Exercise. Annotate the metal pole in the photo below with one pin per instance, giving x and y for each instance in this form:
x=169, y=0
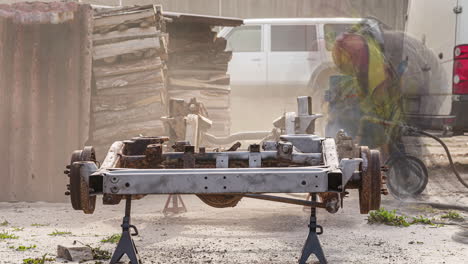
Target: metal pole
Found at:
x=279, y=199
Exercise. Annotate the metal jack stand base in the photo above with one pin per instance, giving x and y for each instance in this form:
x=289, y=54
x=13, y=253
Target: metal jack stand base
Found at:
x=175, y=209
x=312, y=244
x=126, y=245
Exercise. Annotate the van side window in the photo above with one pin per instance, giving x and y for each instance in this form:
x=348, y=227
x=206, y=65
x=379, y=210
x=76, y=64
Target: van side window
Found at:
x=332, y=31
x=245, y=39
x=294, y=38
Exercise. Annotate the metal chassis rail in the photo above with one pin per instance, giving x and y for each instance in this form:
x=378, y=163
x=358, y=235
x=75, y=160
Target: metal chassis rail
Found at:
x=219, y=180
x=215, y=181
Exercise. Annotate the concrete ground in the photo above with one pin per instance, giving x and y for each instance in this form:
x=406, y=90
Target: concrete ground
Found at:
x=253, y=232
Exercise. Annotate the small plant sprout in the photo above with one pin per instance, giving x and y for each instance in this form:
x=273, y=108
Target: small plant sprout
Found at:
x=38, y=225
x=41, y=260
x=23, y=248
x=6, y=235
x=100, y=254
x=60, y=233
x=4, y=223
x=383, y=216
x=422, y=220
x=453, y=215
x=112, y=239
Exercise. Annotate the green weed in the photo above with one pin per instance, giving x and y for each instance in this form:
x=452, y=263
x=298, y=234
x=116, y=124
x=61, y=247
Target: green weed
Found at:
x=6, y=235
x=383, y=216
x=23, y=248
x=40, y=260
x=18, y=228
x=453, y=215
x=112, y=239
x=4, y=223
x=60, y=233
x=37, y=225
x=100, y=254
x=422, y=220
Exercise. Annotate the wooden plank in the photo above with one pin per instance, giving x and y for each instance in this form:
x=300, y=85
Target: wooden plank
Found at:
x=197, y=65
x=128, y=46
x=131, y=100
x=185, y=44
x=139, y=88
x=129, y=79
x=177, y=84
x=109, y=11
x=194, y=72
x=116, y=19
x=189, y=46
x=115, y=118
x=153, y=63
x=222, y=79
x=132, y=33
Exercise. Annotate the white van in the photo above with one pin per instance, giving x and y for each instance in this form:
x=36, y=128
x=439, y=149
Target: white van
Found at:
x=273, y=62
x=443, y=27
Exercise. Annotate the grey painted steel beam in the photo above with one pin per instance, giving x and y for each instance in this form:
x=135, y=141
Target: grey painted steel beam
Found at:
x=215, y=181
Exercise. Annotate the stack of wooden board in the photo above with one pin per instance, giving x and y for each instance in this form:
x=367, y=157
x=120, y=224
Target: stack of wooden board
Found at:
x=129, y=56
x=197, y=68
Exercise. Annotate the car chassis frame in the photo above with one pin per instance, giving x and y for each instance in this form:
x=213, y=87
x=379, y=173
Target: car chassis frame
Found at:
x=300, y=163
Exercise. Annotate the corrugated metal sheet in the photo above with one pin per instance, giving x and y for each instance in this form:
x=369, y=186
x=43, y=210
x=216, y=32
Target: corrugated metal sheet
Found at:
x=45, y=73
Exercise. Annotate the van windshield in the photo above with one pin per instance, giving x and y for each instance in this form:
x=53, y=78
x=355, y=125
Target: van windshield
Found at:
x=245, y=39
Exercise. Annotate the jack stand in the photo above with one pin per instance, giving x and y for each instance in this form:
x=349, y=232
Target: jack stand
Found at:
x=312, y=244
x=126, y=245
x=175, y=209
x=307, y=208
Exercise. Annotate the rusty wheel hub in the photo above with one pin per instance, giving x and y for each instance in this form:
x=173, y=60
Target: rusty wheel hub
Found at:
x=79, y=186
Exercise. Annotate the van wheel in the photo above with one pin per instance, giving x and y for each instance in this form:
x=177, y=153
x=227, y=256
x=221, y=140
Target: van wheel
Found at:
x=407, y=176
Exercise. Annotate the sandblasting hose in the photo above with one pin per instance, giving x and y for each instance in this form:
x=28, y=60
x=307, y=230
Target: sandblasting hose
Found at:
x=414, y=130
x=460, y=179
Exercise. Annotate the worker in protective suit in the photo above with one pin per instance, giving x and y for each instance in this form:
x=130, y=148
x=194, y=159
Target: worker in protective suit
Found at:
x=388, y=76
x=374, y=84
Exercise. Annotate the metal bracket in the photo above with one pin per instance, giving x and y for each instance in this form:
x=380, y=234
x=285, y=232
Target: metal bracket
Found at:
x=255, y=160
x=222, y=161
x=348, y=167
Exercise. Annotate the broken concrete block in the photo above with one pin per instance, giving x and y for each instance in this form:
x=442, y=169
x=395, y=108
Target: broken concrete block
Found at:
x=74, y=253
